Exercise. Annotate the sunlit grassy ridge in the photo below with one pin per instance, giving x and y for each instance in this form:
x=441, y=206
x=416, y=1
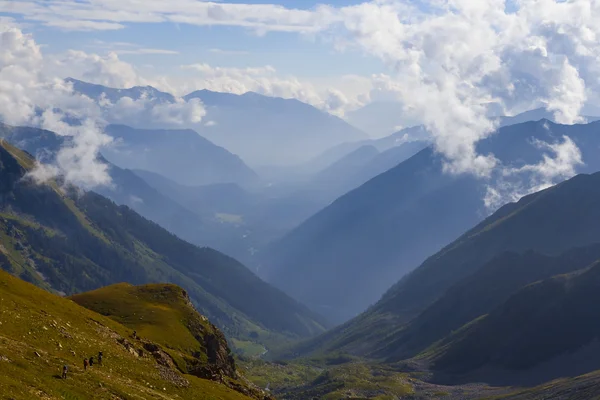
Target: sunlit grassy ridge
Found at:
x=40, y=332
x=158, y=312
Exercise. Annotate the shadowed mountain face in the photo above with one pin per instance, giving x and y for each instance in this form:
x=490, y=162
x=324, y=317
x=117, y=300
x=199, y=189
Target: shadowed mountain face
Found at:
x=543, y=331
x=72, y=242
x=343, y=259
x=475, y=275
x=181, y=155
x=266, y=130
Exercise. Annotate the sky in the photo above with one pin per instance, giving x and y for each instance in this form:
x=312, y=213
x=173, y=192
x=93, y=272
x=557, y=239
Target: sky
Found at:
x=159, y=49
x=444, y=61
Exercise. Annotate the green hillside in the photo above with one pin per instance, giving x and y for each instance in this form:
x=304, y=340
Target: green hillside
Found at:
x=554, y=319
x=70, y=242
x=40, y=332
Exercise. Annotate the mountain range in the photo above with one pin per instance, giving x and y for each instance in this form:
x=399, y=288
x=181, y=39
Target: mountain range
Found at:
x=70, y=241
x=492, y=305
x=262, y=130
x=397, y=219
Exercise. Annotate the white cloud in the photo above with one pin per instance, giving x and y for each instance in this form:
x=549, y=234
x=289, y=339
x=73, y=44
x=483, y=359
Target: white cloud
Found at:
x=28, y=96
x=112, y=14
x=559, y=162
x=128, y=48
x=458, y=56
x=106, y=70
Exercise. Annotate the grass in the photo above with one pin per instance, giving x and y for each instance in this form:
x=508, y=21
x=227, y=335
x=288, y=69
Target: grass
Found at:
x=297, y=380
x=247, y=348
x=40, y=332
x=279, y=376
x=157, y=312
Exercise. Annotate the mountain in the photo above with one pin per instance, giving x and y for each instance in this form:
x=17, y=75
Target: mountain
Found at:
x=209, y=200
x=236, y=221
x=203, y=229
x=547, y=233
x=181, y=355
x=69, y=241
x=262, y=130
x=534, y=115
x=181, y=155
x=342, y=259
x=98, y=92
x=379, y=118
x=411, y=139
x=268, y=130
x=417, y=135
x=358, y=167
x=546, y=330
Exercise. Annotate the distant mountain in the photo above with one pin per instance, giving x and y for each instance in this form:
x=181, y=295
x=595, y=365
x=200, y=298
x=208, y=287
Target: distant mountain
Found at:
x=534, y=115
x=238, y=222
x=97, y=92
x=551, y=232
x=345, y=166
x=358, y=167
x=411, y=139
x=419, y=136
x=379, y=118
x=262, y=130
x=267, y=130
x=206, y=200
x=342, y=259
x=181, y=155
x=72, y=242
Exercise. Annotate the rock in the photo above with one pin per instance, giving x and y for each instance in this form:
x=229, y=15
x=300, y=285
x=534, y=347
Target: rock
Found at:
x=37, y=354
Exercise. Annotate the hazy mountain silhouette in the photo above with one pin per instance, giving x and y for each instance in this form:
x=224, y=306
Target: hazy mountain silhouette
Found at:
x=343, y=258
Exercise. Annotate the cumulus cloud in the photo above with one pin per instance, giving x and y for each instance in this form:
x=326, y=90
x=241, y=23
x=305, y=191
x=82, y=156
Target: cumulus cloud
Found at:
x=456, y=57
x=559, y=161
x=151, y=112
x=108, y=70
x=28, y=96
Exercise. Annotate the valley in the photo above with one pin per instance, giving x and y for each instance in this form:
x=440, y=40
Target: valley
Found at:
x=364, y=199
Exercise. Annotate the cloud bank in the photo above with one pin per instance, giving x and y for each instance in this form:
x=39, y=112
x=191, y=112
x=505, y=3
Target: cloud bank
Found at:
x=33, y=93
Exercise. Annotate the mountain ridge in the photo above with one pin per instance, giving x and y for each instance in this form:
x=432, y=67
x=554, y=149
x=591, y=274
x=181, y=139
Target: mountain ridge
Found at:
x=396, y=220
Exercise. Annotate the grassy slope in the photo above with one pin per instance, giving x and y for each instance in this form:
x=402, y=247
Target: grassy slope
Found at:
x=157, y=312
x=62, y=332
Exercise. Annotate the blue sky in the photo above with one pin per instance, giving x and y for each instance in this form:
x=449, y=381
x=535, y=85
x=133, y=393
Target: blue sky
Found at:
x=290, y=53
